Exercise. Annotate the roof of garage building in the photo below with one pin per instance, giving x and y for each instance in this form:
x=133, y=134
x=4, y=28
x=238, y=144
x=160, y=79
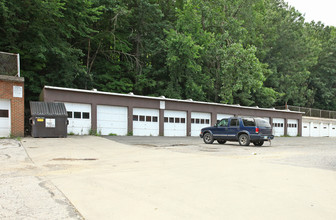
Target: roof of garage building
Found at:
x=162, y=98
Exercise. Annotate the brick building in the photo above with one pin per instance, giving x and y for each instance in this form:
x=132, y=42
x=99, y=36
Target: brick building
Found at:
x=11, y=106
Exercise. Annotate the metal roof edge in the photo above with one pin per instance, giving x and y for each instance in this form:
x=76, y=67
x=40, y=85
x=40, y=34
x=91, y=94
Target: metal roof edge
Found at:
x=167, y=99
x=318, y=119
x=12, y=78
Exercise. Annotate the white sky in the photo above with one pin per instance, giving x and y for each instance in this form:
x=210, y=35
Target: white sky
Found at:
x=317, y=10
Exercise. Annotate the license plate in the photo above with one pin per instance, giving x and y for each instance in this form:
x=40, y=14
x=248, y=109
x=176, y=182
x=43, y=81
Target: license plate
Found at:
x=266, y=137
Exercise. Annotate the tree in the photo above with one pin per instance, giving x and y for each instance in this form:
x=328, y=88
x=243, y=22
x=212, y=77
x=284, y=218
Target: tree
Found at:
x=45, y=33
x=323, y=74
x=206, y=50
x=292, y=52
x=249, y=52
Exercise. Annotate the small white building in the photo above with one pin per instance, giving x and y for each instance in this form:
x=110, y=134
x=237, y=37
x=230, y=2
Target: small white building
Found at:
x=318, y=127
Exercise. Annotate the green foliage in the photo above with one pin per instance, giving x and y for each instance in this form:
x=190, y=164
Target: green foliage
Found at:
x=323, y=74
x=243, y=74
x=293, y=51
x=248, y=52
x=94, y=132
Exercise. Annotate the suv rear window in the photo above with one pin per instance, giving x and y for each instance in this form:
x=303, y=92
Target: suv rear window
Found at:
x=249, y=122
x=262, y=123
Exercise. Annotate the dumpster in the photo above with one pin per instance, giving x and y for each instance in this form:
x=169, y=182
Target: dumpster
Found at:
x=48, y=119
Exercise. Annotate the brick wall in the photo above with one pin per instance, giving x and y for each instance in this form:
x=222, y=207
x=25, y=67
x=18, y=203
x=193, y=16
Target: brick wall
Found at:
x=17, y=104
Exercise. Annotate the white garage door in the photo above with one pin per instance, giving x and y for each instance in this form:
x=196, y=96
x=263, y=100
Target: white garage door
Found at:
x=333, y=130
x=267, y=119
x=5, y=118
x=292, y=127
x=305, y=129
x=315, y=130
x=145, y=122
x=324, y=130
x=111, y=120
x=79, y=116
x=175, y=123
x=278, y=126
x=199, y=120
x=221, y=116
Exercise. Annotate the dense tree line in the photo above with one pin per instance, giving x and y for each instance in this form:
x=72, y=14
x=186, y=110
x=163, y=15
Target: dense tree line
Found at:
x=248, y=52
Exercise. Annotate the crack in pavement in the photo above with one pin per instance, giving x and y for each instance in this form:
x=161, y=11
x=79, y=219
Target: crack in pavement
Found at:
x=23, y=193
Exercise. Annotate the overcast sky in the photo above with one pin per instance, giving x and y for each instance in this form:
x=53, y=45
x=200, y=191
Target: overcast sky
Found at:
x=317, y=10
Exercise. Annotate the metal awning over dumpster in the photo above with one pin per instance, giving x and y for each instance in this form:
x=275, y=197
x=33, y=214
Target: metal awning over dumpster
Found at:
x=48, y=119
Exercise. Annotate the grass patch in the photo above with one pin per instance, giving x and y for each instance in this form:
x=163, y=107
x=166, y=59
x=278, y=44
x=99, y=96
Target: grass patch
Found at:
x=14, y=137
x=94, y=133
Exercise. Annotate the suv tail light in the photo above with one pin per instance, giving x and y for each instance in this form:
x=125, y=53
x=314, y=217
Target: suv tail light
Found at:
x=257, y=130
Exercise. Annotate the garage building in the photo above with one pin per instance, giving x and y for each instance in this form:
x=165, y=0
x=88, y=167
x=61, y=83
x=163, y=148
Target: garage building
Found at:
x=318, y=127
x=129, y=114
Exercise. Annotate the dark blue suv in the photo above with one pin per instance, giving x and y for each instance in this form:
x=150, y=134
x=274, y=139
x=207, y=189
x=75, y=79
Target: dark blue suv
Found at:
x=243, y=130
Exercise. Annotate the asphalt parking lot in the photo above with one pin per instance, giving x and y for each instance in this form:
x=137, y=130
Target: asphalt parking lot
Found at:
x=23, y=193
x=319, y=152
x=89, y=177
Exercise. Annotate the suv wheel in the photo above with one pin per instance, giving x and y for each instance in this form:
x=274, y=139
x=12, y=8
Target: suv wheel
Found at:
x=221, y=141
x=208, y=138
x=258, y=143
x=244, y=140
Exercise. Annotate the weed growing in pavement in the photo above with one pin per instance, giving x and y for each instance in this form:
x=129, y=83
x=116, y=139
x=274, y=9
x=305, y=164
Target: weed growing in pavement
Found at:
x=94, y=133
x=112, y=134
x=11, y=136
x=130, y=133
